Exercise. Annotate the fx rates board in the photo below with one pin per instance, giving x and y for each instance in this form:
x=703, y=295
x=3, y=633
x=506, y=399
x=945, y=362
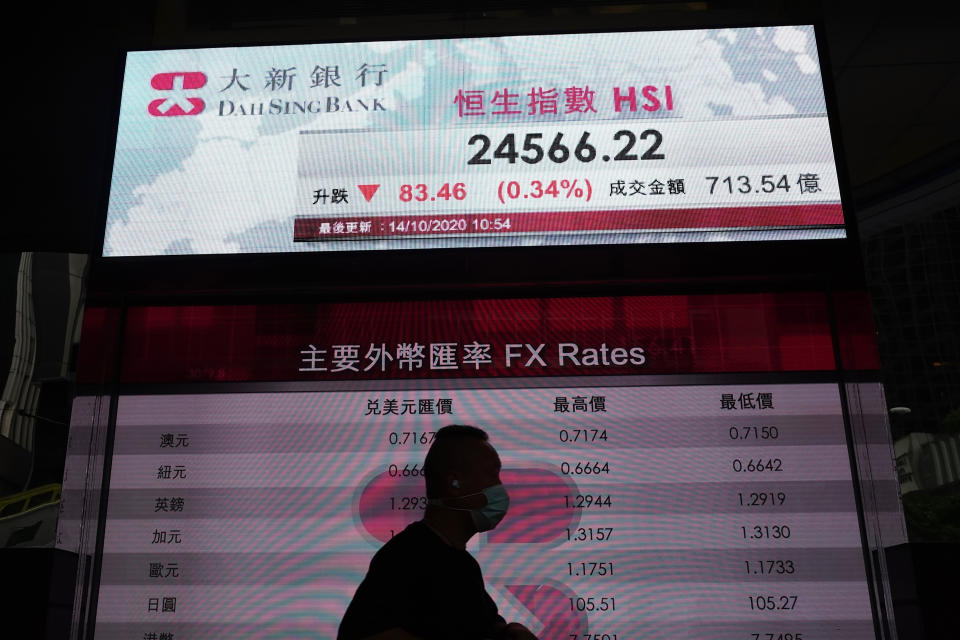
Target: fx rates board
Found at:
x=698, y=511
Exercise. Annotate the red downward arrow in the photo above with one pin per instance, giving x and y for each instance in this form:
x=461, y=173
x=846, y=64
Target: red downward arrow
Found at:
x=368, y=190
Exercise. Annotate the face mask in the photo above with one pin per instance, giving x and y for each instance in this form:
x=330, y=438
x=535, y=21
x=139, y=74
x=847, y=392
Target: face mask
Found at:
x=487, y=517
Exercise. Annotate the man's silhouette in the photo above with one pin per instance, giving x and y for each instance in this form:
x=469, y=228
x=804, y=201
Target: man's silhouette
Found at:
x=423, y=584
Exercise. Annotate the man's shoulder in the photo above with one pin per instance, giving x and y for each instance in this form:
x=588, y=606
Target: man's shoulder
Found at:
x=405, y=546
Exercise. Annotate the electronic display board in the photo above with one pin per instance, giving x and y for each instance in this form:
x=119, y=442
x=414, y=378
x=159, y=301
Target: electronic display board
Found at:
x=605, y=138
x=678, y=465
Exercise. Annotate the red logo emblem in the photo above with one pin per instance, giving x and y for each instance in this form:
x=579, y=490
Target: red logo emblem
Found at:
x=178, y=104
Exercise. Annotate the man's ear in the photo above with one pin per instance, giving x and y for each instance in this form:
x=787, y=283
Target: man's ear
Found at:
x=451, y=482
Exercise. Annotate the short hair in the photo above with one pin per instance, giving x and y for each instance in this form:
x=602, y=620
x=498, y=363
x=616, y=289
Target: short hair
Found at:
x=444, y=454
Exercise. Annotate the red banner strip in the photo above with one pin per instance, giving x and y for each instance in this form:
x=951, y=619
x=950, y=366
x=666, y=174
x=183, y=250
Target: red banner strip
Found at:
x=677, y=333
x=331, y=228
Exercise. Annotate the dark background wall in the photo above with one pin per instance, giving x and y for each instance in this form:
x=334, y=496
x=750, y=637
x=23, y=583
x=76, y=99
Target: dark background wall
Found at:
x=895, y=68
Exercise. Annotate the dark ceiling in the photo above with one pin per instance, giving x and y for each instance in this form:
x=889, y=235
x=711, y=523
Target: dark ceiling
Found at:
x=895, y=69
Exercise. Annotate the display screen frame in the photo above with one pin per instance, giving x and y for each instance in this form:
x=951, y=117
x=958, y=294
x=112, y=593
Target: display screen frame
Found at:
x=173, y=277
x=843, y=374
x=89, y=584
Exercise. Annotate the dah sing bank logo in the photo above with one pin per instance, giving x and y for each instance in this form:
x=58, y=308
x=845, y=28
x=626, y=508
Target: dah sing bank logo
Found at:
x=176, y=103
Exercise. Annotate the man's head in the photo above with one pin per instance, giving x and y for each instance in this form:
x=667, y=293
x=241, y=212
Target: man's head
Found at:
x=461, y=462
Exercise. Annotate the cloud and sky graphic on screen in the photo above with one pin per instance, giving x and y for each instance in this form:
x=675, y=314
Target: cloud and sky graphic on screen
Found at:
x=213, y=184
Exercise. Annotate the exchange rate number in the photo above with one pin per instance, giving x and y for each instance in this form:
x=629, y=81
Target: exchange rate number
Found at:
x=766, y=532
x=402, y=438
x=754, y=433
x=406, y=471
x=585, y=468
x=604, y=603
x=408, y=503
x=590, y=568
x=589, y=534
x=773, y=602
x=583, y=435
x=758, y=465
x=762, y=498
x=769, y=567
x=588, y=501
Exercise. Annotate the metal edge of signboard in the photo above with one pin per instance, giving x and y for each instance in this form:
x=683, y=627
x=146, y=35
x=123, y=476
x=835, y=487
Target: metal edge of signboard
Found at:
x=881, y=611
x=877, y=578
x=112, y=387
x=98, y=231
x=464, y=30
x=588, y=286
x=839, y=154
x=89, y=523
